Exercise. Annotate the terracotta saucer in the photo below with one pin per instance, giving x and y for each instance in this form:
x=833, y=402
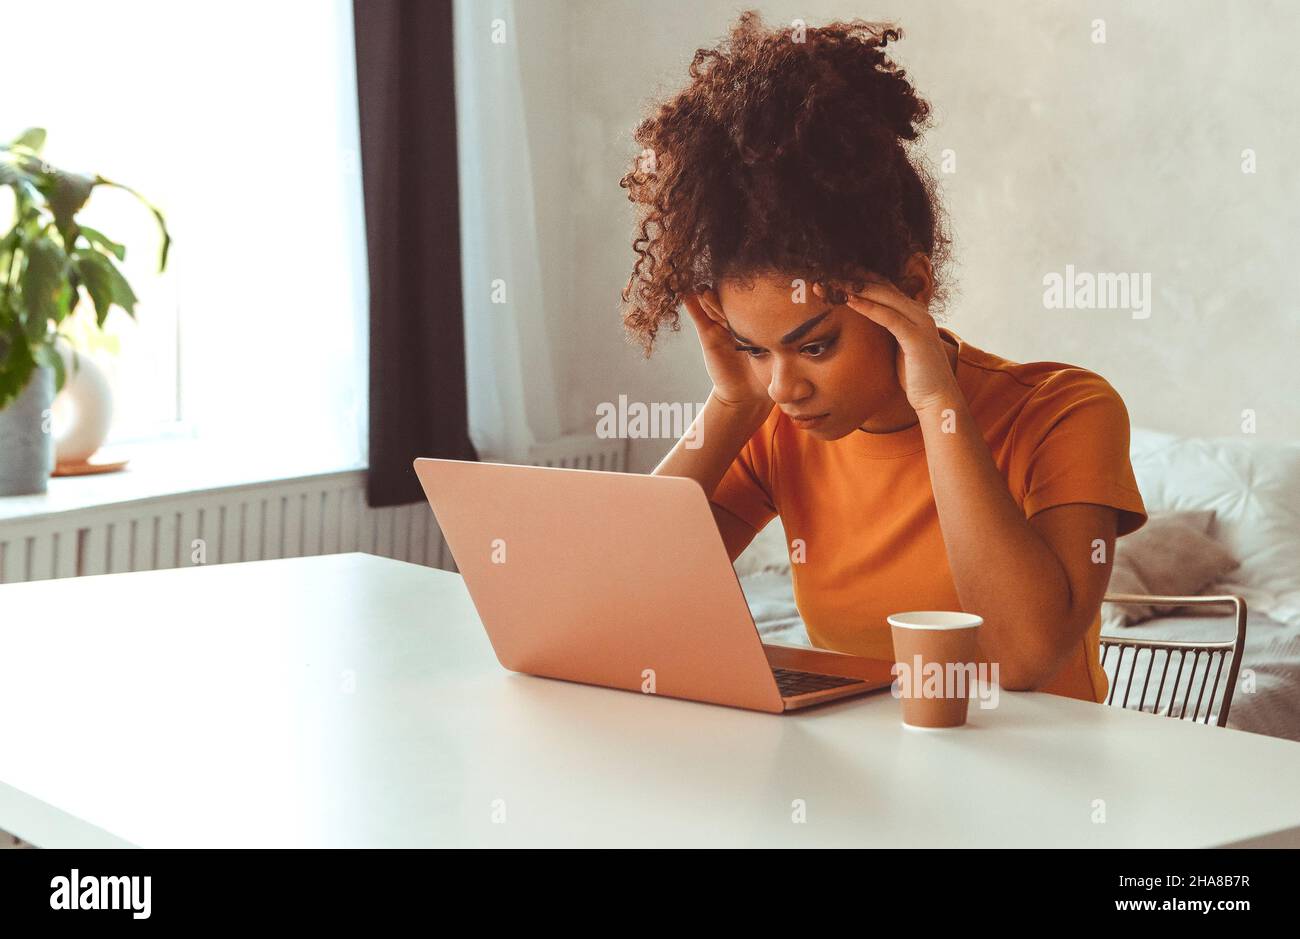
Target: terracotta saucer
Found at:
x=98, y=463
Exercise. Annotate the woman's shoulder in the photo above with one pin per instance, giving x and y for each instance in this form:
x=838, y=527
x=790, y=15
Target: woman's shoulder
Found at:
x=1038, y=386
x=1023, y=404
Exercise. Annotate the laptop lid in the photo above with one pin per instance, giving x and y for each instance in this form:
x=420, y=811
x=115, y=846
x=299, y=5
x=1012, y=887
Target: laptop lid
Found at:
x=614, y=579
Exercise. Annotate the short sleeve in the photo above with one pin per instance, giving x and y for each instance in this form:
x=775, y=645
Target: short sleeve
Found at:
x=1080, y=448
x=746, y=488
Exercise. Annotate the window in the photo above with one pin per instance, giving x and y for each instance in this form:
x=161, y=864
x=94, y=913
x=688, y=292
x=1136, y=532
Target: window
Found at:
x=239, y=121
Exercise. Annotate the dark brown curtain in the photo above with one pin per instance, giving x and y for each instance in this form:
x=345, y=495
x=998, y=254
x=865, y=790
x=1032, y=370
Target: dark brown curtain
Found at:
x=406, y=96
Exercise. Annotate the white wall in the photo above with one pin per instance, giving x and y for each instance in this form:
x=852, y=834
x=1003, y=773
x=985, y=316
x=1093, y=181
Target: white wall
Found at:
x=1117, y=157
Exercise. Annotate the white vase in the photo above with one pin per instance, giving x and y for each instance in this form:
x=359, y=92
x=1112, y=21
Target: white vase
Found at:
x=83, y=409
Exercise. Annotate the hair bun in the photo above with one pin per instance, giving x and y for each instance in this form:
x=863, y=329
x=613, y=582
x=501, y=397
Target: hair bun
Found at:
x=858, y=48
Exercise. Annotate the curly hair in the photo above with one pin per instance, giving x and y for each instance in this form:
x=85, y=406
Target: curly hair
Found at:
x=783, y=154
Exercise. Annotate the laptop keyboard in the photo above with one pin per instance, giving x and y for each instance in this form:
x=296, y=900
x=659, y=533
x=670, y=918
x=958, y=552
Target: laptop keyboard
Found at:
x=791, y=682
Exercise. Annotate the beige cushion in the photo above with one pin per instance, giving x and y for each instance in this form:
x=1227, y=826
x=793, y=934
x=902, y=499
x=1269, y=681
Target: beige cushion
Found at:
x=1171, y=554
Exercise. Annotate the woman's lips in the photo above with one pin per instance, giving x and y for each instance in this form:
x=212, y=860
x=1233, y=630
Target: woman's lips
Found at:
x=806, y=422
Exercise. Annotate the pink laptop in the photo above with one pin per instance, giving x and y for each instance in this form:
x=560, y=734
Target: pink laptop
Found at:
x=621, y=580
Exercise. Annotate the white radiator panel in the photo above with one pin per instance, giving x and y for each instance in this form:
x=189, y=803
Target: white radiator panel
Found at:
x=318, y=515
x=283, y=519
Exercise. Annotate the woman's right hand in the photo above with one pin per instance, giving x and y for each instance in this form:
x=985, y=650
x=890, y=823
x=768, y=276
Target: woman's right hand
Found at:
x=734, y=380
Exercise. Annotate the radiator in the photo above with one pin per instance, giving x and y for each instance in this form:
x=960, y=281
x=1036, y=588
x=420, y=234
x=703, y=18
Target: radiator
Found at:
x=582, y=452
x=283, y=519
x=312, y=515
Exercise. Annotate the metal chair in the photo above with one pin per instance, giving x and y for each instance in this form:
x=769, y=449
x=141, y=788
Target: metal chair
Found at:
x=1211, y=650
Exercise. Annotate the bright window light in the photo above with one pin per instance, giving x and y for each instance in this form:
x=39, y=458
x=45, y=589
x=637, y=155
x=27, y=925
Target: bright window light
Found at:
x=239, y=121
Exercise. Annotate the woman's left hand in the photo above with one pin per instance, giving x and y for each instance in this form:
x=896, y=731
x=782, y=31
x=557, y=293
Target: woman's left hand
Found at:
x=924, y=372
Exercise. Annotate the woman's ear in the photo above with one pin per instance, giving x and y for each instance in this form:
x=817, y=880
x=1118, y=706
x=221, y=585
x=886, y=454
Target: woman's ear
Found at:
x=712, y=305
x=918, y=278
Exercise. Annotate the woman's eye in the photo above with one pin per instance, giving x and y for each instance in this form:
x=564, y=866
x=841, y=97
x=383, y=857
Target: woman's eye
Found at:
x=821, y=348
x=753, y=351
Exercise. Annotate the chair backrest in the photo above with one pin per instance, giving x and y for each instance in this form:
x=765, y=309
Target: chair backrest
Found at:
x=1170, y=672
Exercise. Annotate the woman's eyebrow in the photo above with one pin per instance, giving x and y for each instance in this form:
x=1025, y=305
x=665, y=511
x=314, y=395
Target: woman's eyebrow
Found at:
x=793, y=335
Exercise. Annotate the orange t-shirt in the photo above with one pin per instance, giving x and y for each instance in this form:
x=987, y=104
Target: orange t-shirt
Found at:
x=863, y=508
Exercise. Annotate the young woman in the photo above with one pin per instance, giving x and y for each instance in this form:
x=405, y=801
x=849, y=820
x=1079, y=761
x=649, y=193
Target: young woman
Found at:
x=911, y=470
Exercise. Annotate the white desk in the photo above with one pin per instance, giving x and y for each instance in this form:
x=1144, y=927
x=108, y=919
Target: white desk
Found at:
x=351, y=700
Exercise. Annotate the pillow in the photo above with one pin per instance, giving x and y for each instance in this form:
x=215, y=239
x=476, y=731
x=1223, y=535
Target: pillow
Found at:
x=1251, y=485
x=1171, y=554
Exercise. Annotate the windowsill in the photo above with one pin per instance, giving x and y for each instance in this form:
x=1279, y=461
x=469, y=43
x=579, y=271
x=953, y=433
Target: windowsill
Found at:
x=166, y=469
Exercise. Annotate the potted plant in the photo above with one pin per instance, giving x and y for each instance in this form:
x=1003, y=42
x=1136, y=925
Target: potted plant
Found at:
x=48, y=263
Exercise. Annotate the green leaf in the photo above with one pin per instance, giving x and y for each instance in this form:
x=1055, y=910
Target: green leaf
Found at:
x=123, y=295
x=7, y=248
x=101, y=241
x=157, y=214
x=15, y=366
x=29, y=197
x=66, y=194
x=47, y=354
x=67, y=298
x=92, y=270
x=42, y=282
x=104, y=282
x=10, y=320
x=33, y=139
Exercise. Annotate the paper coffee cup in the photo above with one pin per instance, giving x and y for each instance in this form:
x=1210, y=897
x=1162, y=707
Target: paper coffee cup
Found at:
x=934, y=665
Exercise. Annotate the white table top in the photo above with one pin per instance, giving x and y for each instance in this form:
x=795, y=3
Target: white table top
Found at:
x=351, y=700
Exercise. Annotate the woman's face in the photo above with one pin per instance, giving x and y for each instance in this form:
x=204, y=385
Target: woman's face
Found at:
x=817, y=358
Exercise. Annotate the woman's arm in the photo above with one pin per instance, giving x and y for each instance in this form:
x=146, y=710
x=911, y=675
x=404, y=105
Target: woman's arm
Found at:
x=708, y=449
x=713, y=441
x=1037, y=583
x=736, y=408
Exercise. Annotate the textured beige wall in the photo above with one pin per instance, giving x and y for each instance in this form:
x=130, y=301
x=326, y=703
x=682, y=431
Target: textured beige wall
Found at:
x=1117, y=157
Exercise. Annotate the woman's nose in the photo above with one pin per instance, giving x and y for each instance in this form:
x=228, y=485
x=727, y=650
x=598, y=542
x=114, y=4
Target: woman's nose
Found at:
x=786, y=386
